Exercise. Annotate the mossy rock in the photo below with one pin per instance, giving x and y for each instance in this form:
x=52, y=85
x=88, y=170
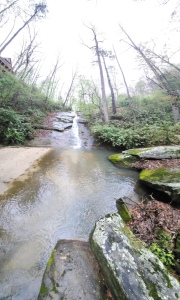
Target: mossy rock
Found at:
x=71, y=273
x=161, y=152
x=123, y=210
x=163, y=179
x=131, y=271
x=122, y=160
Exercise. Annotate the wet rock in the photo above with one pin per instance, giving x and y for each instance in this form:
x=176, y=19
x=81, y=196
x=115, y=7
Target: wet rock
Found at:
x=71, y=273
x=161, y=152
x=163, y=179
x=122, y=160
x=131, y=271
x=65, y=119
x=81, y=121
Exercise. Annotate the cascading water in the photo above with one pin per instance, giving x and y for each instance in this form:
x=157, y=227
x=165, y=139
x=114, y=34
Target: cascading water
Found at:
x=75, y=133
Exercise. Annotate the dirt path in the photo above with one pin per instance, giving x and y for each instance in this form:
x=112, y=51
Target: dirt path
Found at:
x=15, y=161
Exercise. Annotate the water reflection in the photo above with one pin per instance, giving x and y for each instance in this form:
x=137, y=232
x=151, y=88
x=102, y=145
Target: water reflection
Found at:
x=63, y=200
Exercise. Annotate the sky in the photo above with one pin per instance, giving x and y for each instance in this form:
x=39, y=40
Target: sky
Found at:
x=63, y=32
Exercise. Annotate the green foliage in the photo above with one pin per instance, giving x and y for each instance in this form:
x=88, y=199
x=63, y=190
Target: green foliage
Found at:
x=163, y=248
x=145, y=136
x=13, y=129
x=165, y=255
x=22, y=105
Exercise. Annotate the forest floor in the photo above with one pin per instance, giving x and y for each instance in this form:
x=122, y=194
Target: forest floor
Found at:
x=157, y=163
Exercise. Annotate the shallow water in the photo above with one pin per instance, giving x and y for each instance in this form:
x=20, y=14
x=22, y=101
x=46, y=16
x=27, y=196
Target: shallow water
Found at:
x=62, y=200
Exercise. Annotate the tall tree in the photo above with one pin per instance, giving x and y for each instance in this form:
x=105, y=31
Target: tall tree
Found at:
x=109, y=54
x=48, y=86
x=70, y=89
x=97, y=52
x=131, y=102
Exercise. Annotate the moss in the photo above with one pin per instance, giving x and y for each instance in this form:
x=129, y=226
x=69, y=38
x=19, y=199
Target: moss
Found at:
x=124, y=213
x=54, y=286
x=51, y=259
x=161, y=175
x=137, y=151
x=43, y=290
x=165, y=275
x=123, y=159
x=153, y=291
x=167, y=280
x=116, y=157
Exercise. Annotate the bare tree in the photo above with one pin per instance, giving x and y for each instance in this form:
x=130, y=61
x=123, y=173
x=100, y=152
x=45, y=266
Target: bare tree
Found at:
x=106, y=54
x=5, y=8
x=97, y=52
x=48, y=86
x=39, y=8
x=70, y=88
x=27, y=58
x=131, y=102
x=161, y=78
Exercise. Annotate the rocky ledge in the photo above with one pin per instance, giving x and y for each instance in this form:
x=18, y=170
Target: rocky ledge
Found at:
x=165, y=179
x=131, y=271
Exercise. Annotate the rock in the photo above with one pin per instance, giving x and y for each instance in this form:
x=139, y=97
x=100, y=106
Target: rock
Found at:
x=65, y=119
x=81, y=121
x=163, y=179
x=160, y=152
x=61, y=126
x=71, y=273
x=131, y=271
x=123, y=210
x=122, y=160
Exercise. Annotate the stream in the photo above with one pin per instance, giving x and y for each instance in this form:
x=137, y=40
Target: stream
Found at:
x=74, y=186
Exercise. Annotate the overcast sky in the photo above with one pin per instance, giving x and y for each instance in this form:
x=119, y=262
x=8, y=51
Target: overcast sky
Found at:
x=62, y=31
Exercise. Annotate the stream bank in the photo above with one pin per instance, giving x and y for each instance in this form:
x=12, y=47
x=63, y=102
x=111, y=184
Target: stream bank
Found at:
x=62, y=200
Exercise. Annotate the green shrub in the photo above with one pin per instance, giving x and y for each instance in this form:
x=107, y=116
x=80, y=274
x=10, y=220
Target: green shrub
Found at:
x=165, y=255
x=145, y=136
x=13, y=129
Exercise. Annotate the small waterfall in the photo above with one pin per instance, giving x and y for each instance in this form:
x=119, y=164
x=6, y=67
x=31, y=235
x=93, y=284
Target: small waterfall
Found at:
x=75, y=131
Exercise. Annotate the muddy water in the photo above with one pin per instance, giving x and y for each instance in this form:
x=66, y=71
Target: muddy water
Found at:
x=62, y=200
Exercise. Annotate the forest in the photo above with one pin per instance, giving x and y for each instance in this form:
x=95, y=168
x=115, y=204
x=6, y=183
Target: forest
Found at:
x=118, y=113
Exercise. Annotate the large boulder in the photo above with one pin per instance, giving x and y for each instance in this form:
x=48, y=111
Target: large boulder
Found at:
x=163, y=179
x=131, y=271
x=161, y=152
x=71, y=273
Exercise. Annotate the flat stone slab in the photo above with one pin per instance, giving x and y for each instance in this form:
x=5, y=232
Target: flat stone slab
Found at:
x=161, y=152
x=163, y=179
x=71, y=273
x=131, y=271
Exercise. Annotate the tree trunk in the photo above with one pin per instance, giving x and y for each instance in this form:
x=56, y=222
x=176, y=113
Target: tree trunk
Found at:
x=175, y=111
x=70, y=88
x=131, y=105
x=104, y=99
x=110, y=86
